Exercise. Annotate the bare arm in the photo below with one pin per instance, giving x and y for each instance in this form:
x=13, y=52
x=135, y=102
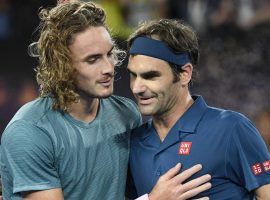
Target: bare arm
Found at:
x=52, y=194
x=263, y=192
x=170, y=187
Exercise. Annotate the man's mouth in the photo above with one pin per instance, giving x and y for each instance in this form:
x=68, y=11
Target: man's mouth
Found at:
x=106, y=82
x=145, y=100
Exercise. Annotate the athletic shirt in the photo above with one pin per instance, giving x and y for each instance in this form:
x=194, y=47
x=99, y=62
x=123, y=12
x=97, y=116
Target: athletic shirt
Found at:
x=225, y=142
x=43, y=149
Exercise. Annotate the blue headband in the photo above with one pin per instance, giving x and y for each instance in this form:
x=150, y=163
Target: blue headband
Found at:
x=158, y=49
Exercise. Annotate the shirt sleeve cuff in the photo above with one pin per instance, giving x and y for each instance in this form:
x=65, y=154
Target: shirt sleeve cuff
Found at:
x=143, y=197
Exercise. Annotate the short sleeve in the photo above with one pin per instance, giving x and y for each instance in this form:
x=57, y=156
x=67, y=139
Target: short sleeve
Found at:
x=247, y=156
x=27, y=158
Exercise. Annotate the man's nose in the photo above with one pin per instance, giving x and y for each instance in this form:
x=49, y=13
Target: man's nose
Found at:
x=137, y=86
x=108, y=66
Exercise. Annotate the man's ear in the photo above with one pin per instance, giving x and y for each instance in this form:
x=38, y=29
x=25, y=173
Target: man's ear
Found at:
x=186, y=75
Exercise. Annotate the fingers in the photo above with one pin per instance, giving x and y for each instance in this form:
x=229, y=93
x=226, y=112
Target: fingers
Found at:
x=187, y=173
x=196, y=191
x=196, y=182
x=172, y=172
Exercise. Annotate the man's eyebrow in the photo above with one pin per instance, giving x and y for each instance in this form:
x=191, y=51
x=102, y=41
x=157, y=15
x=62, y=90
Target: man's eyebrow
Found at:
x=113, y=46
x=147, y=74
x=151, y=74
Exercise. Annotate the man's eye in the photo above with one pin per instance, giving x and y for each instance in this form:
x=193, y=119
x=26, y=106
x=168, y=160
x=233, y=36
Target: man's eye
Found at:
x=149, y=77
x=91, y=61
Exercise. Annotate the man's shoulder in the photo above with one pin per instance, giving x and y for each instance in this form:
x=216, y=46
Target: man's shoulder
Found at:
x=120, y=104
x=222, y=115
x=119, y=100
x=31, y=112
x=121, y=110
x=140, y=131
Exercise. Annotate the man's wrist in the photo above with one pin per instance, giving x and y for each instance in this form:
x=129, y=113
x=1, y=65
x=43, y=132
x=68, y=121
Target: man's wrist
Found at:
x=143, y=197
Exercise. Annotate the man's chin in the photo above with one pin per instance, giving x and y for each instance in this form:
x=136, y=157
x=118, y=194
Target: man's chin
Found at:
x=105, y=95
x=146, y=112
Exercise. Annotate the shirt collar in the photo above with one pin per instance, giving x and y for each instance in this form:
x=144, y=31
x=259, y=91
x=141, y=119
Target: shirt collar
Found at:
x=191, y=118
x=188, y=121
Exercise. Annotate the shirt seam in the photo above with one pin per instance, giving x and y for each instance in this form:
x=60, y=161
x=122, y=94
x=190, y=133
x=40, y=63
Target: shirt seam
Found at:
x=38, y=186
x=227, y=149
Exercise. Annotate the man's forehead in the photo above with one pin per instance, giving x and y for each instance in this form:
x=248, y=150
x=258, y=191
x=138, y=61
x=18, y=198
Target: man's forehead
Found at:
x=142, y=64
x=93, y=35
x=93, y=40
x=143, y=59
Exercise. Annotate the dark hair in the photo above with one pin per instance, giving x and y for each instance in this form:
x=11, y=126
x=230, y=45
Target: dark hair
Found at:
x=175, y=33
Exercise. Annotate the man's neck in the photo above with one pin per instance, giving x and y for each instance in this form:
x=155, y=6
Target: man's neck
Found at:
x=163, y=123
x=85, y=110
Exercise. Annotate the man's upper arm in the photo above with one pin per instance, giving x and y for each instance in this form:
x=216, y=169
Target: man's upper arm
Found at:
x=52, y=194
x=28, y=162
x=263, y=192
x=249, y=164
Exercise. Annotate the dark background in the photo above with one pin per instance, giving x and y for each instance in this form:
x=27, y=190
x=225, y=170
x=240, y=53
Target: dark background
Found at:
x=234, y=69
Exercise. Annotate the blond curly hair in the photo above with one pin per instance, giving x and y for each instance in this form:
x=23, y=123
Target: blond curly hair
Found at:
x=55, y=72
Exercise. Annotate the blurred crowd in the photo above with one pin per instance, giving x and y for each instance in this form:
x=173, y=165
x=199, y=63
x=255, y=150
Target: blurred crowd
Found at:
x=234, y=68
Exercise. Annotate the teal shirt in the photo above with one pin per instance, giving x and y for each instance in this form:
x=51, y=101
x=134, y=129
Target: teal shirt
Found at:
x=43, y=149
